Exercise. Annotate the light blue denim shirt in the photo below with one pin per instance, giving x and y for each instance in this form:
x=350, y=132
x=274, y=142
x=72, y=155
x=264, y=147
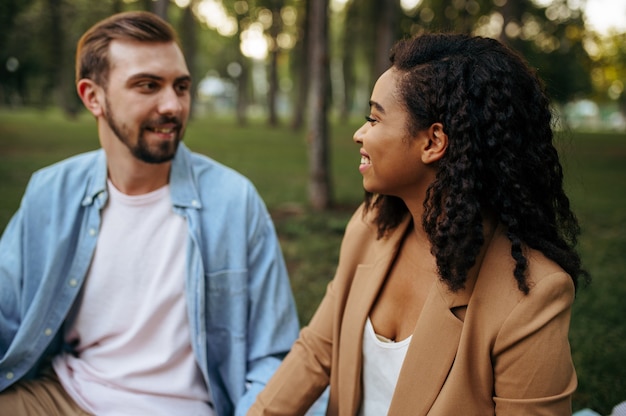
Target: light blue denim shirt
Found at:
x=241, y=310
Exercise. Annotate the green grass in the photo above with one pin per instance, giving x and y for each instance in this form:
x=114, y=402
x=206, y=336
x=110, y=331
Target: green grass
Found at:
x=275, y=160
x=596, y=179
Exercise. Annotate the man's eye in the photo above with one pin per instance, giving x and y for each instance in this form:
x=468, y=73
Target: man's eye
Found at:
x=182, y=88
x=147, y=86
x=369, y=119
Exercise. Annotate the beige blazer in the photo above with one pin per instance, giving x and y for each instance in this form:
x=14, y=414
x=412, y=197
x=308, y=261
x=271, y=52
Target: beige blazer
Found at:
x=508, y=355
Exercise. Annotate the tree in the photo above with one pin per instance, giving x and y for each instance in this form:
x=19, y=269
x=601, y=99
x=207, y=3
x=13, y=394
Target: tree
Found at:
x=243, y=85
x=159, y=7
x=550, y=37
x=189, y=41
x=387, y=16
x=512, y=12
x=320, y=191
x=609, y=68
x=42, y=46
x=300, y=67
x=350, y=35
x=551, y=42
x=9, y=11
x=61, y=29
x=55, y=52
x=275, y=7
x=12, y=76
x=243, y=76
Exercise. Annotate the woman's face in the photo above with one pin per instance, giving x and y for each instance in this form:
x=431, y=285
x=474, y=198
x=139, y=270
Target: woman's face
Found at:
x=391, y=159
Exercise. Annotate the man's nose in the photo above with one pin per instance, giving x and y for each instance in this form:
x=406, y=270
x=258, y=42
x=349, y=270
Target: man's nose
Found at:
x=170, y=102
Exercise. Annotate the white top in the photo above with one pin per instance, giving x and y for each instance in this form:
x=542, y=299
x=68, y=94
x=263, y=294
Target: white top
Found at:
x=382, y=361
x=130, y=333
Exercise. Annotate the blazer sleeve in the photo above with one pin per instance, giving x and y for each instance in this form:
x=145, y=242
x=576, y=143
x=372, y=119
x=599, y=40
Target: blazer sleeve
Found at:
x=533, y=369
x=305, y=372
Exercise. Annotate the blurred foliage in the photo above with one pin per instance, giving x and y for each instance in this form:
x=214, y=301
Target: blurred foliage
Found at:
x=609, y=70
x=38, y=38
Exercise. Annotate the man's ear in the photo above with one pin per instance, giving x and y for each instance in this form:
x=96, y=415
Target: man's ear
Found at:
x=91, y=95
x=437, y=144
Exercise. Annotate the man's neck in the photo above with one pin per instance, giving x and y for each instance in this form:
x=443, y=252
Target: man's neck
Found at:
x=137, y=177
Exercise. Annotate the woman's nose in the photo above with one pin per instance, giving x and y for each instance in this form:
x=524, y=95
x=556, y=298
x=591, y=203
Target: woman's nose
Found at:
x=358, y=135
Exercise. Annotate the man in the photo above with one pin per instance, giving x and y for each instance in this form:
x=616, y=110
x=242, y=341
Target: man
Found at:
x=141, y=278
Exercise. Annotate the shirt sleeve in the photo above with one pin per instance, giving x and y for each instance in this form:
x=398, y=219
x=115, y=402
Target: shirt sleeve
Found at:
x=273, y=323
x=10, y=282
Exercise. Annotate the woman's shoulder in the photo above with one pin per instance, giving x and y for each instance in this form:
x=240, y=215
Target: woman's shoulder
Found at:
x=496, y=282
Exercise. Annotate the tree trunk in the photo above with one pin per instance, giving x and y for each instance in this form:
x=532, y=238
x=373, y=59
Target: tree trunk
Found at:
x=512, y=12
x=272, y=93
x=117, y=6
x=319, y=166
x=350, y=35
x=189, y=41
x=146, y=5
x=302, y=70
x=54, y=46
x=242, y=90
x=388, y=16
x=243, y=79
x=60, y=83
x=159, y=7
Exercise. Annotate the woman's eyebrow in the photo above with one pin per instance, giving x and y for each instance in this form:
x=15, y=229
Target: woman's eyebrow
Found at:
x=377, y=106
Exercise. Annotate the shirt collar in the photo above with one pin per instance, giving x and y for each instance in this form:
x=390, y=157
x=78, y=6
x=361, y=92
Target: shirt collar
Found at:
x=183, y=186
x=97, y=181
x=184, y=192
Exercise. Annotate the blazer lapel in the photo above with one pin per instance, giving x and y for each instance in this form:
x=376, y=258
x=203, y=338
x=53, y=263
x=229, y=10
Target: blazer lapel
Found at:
x=431, y=352
x=434, y=344
x=367, y=283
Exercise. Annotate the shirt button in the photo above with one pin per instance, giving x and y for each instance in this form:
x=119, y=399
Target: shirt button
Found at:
x=9, y=375
x=92, y=232
x=73, y=282
x=195, y=203
x=48, y=332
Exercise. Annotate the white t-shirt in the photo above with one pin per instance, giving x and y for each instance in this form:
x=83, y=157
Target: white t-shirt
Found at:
x=382, y=361
x=130, y=333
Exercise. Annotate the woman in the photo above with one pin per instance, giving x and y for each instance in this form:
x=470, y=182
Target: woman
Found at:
x=456, y=277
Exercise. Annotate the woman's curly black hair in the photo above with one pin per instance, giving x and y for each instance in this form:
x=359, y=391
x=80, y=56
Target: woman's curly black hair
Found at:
x=500, y=157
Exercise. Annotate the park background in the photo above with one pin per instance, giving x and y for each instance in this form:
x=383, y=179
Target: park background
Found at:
x=283, y=84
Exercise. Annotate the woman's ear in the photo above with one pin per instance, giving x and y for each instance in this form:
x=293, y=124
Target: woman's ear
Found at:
x=90, y=94
x=437, y=144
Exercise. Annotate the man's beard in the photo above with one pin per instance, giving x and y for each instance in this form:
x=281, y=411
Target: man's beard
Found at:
x=164, y=152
